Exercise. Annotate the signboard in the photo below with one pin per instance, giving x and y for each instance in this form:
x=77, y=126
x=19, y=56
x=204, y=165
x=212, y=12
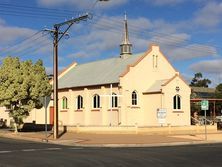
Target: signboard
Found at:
x=204, y=105
x=161, y=115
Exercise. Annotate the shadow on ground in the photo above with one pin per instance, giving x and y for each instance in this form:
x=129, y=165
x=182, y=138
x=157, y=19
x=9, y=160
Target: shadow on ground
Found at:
x=32, y=127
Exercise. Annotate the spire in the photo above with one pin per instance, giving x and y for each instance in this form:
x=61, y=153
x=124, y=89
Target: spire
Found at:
x=125, y=46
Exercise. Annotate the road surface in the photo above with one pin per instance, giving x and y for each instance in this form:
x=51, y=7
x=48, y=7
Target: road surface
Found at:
x=16, y=153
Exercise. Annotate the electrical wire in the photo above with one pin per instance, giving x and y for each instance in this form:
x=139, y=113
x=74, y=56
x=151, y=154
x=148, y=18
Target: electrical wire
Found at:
x=165, y=41
x=111, y=25
x=133, y=28
x=27, y=42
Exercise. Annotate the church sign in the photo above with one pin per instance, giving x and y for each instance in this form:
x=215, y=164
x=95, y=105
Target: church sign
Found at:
x=161, y=115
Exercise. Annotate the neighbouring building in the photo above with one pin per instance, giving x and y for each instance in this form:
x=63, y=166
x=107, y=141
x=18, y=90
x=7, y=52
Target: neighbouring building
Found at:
x=126, y=90
x=215, y=104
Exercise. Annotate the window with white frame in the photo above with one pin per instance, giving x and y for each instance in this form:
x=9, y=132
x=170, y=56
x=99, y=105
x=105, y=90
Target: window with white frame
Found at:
x=177, y=102
x=134, y=98
x=64, y=103
x=79, y=102
x=114, y=101
x=96, y=101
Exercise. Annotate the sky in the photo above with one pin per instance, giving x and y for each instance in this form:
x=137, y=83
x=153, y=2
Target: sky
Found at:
x=189, y=32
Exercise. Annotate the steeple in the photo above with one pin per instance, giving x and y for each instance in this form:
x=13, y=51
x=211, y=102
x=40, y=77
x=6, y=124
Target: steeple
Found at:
x=125, y=46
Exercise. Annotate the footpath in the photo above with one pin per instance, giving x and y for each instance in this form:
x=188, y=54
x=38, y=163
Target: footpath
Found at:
x=115, y=140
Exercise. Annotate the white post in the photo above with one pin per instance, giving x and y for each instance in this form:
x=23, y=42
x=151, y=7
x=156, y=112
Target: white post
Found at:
x=110, y=100
x=205, y=122
x=46, y=130
x=111, y=103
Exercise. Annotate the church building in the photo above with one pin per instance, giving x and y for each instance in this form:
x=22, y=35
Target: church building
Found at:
x=127, y=90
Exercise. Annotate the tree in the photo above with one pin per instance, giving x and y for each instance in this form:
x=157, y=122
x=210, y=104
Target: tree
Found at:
x=218, y=95
x=22, y=84
x=218, y=91
x=199, y=82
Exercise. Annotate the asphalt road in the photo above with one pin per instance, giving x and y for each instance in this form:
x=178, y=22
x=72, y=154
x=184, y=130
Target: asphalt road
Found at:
x=23, y=153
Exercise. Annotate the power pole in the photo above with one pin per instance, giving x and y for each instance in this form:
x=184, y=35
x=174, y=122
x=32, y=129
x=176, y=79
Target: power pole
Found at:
x=55, y=83
x=57, y=36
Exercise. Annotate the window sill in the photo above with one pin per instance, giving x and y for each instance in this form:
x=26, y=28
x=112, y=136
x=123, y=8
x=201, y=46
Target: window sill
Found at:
x=95, y=110
x=178, y=111
x=79, y=110
x=135, y=107
x=114, y=109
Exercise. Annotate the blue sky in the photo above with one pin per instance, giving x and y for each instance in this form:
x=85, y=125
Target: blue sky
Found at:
x=189, y=32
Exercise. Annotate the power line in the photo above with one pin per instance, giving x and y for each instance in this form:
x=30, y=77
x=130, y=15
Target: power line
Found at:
x=135, y=28
x=53, y=14
x=26, y=44
x=20, y=41
x=32, y=13
x=39, y=8
x=33, y=16
x=119, y=32
x=173, y=41
x=40, y=13
x=58, y=13
x=34, y=49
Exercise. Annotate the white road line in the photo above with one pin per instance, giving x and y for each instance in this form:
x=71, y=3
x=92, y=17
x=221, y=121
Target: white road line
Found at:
x=3, y=152
x=52, y=149
x=41, y=149
x=27, y=150
x=76, y=148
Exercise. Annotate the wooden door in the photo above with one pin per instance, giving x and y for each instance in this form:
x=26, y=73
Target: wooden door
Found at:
x=51, y=121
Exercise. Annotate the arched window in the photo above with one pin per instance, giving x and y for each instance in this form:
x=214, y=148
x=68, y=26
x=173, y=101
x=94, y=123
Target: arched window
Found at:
x=96, y=101
x=79, y=102
x=177, y=102
x=114, y=101
x=64, y=103
x=134, y=98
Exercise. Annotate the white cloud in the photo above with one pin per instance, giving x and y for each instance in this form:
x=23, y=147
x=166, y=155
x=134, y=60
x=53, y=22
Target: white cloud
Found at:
x=192, y=51
x=208, y=66
x=49, y=69
x=173, y=39
x=2, y=22
x=187, y=78
x=106, y=34
x=81, y=4
x=77, y=55
x=164, y=2
x=17, y=41
x=210, y=69
x=10, y=34
x=210, y=15
x=177, y=46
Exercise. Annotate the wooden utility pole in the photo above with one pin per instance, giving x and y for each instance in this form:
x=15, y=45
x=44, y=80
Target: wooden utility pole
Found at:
x=55, y=81
x=57, y=36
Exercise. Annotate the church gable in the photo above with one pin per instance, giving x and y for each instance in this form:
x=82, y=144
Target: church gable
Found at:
x=152, y=66
x=158, y=60
x=176, y=84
